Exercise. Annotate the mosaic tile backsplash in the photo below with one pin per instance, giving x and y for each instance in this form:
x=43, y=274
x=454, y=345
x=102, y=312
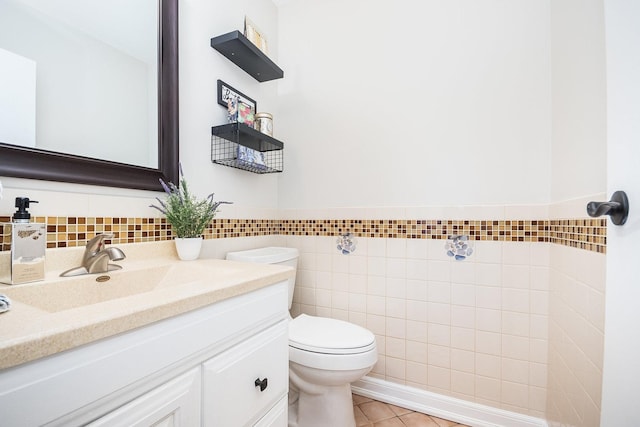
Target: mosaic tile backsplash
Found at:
x=587, y=234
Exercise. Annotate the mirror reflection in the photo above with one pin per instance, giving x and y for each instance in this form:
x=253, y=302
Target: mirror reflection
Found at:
x=80, y=77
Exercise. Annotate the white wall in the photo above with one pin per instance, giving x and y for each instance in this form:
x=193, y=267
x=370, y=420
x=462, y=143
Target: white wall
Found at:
x=454, y=103
x=578, y=98
x=415, y=103
x=200, y=67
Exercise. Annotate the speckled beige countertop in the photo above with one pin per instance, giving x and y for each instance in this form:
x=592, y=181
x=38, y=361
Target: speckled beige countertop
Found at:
x=164, y=286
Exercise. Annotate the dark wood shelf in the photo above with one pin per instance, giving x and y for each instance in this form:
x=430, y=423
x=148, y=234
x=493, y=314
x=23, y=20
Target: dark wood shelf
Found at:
x=239, y=50
x=247, y=136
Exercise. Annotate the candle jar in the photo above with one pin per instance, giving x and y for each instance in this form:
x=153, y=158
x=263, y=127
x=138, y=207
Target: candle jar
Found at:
x=264, y=123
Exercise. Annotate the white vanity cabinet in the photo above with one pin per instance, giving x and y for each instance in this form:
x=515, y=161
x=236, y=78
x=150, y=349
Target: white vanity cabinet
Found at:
x=202, y=368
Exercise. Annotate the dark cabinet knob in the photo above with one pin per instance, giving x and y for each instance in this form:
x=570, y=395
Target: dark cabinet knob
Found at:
x=261, y=383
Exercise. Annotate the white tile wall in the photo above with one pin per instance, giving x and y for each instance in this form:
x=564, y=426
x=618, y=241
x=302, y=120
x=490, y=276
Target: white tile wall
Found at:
x=576, y=337
x=475, y=329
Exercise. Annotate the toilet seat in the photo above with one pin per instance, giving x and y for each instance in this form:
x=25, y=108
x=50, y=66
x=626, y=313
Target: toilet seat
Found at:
x=329, y=336
x=330, y=344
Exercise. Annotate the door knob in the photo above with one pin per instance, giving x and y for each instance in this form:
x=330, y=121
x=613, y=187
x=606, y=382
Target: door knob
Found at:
x=617, y=208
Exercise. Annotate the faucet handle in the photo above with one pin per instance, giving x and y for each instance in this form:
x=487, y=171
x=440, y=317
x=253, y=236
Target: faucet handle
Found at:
x=95, y=245
x=97, y=240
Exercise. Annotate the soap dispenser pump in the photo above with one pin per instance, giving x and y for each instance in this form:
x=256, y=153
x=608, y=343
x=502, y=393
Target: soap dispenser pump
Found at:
x=22, y=215
x=28, y=246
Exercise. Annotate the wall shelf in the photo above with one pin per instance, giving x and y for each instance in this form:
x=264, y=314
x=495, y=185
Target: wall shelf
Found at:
x=239, y=50
x=227, y=148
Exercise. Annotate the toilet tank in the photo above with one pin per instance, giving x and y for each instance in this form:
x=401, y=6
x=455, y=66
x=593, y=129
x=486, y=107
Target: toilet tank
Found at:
x=270, y=255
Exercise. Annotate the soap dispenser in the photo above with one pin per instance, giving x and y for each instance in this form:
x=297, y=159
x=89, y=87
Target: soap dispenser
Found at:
x=28, y=246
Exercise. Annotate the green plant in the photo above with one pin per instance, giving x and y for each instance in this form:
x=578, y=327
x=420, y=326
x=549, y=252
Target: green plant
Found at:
x=187, y=215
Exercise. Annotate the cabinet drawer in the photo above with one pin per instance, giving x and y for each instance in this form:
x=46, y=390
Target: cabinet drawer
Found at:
x=176, y=403
x=277, y=416
x=231, y=395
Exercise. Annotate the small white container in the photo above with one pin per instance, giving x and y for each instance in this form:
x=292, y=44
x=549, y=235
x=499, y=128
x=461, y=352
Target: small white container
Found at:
x=264, y=123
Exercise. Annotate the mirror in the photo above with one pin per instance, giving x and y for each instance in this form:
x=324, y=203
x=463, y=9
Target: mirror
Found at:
x=56, y=165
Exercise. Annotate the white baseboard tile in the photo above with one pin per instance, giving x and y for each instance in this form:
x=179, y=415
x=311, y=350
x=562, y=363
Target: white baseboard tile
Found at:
x=449, y=408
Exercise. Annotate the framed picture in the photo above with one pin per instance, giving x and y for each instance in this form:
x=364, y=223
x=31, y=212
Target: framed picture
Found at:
x=226, y=92
x=255, y=36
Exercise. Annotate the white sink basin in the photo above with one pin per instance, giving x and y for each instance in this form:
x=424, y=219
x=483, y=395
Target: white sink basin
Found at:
x=66, y=293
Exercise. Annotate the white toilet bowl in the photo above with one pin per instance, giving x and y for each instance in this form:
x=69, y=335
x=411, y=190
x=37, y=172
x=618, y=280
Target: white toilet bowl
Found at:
x=325, y=356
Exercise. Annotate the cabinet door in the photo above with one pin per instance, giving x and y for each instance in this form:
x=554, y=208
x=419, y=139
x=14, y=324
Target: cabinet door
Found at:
x=277, y=416
x=243, y=383
x=175, y=403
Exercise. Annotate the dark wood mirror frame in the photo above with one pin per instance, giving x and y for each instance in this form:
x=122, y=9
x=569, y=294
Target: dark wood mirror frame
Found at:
x=33, y=163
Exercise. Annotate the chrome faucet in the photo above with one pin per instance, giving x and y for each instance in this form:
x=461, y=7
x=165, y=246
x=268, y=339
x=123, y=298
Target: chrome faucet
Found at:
x=96, y=257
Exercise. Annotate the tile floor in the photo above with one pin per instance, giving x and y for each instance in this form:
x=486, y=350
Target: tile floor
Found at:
x=371, y=413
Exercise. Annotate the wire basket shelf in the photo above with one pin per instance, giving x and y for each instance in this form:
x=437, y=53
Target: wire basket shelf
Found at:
x=239, y=146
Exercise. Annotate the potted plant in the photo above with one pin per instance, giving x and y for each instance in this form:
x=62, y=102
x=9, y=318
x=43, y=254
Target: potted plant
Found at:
x=187, y=215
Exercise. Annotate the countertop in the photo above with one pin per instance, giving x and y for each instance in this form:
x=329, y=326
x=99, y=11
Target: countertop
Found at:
x=28, y=333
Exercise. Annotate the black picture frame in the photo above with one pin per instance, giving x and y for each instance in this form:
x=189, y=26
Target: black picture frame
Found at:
x=225, y=91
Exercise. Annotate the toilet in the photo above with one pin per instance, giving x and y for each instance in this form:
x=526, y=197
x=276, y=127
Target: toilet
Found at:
x=325, y=356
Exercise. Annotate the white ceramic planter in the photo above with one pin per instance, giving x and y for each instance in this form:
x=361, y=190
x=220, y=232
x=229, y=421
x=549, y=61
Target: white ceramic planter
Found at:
x=188, y=247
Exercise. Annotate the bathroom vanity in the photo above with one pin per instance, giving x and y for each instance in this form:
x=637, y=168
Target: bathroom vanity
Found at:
x=220, y=360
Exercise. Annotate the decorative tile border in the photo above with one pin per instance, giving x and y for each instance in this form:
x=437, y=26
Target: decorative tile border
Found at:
x=65, y=232
x=587, y=234
x=519, y=231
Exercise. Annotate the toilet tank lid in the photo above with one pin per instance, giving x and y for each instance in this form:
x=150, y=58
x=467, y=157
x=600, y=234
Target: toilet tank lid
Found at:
x=269, y=255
